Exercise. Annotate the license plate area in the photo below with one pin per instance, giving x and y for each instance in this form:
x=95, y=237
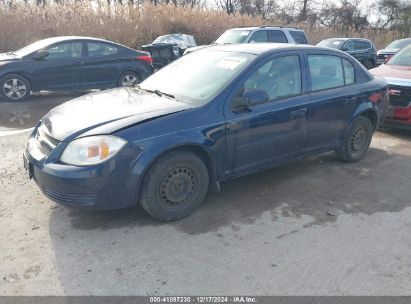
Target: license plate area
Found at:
x=390, y=112
x=28, y=167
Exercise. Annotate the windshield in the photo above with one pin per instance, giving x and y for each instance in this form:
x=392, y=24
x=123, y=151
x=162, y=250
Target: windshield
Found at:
x=232, y=36
x=38, y=45
x=198, y=77
x=332, y=43
x=403, y=57
x=398, y=44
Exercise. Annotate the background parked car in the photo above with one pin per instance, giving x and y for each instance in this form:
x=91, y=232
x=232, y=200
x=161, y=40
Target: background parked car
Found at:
x=258, y=34
x=397, y=72
x=361, y=49
x=168, y=48
x=211, y=116
x=70, y=63
x=391, y=49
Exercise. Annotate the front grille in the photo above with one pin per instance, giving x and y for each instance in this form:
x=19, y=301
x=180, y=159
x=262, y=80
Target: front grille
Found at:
x=45, y=142
x=400, y=96
x=383, y=56
x=70, y=198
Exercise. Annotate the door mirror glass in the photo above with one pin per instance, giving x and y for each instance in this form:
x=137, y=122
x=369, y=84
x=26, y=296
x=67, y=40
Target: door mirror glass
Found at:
x=253, y=97
x=41, y=54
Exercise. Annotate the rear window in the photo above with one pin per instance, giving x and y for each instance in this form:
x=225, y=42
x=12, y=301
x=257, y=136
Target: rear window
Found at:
x=299, y=37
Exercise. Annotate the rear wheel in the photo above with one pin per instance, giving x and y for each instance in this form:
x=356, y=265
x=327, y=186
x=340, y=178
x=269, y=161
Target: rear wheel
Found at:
x=357, y=140
x=14, y=87
x=128, y=79
x=174, y=186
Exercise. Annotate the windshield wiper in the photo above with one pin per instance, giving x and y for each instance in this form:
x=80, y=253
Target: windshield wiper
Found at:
x=11, y=53
x=157, y=92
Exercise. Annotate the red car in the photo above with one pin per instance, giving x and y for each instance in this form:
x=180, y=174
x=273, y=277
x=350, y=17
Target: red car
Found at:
x=397, y=72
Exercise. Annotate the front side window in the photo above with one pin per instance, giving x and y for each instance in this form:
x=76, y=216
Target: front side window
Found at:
x=326, y=72
x=403, y=57
x=259, y=36
x=277, y=36
x=280, y=78
x=66, y=50
x=349, y=45
x=98, y=49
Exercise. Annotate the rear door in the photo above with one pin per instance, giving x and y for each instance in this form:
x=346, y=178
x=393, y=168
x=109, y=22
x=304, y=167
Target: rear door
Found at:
x=264, y=134
x=333, y=97
x=102, y=64
x=62, y=68
x=276, y=36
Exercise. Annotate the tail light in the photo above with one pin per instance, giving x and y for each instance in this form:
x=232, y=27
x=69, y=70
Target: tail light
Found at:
x=146, y=58
x=375, y=97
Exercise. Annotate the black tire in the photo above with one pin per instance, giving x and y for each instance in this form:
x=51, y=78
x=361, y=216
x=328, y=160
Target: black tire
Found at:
x=174, y=186
x=133, y=79
x=357, y=140
x=368, y=64
x=14, y=87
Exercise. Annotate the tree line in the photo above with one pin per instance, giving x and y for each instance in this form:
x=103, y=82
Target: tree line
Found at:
x=346, y=15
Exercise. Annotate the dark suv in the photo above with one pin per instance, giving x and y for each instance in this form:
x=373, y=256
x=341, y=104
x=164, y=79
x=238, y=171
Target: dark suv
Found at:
x=361, y=49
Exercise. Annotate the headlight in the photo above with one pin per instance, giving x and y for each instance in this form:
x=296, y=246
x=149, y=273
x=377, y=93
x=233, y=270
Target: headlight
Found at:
x=92, y=150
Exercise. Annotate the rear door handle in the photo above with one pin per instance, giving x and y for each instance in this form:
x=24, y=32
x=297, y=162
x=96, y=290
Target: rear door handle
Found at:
x=350, y=100
x=298, y=113
x=79, y=62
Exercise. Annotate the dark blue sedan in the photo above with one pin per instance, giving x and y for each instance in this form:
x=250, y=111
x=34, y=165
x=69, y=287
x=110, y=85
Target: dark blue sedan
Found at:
x=215, y=114
x=70, y=63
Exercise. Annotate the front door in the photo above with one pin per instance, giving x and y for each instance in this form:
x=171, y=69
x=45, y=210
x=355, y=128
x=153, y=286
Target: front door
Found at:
x=259, y=136
x=62, y=68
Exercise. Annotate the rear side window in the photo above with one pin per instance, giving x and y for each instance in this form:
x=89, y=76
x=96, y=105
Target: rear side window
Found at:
x=98, y=49
x=277, y=36
x=299, y=37
x=259, y=36
x=326, y=72
x=362, y=45
x=348, y=72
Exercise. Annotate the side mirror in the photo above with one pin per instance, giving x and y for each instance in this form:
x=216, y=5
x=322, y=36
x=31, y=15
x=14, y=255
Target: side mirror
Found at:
x=250, y=98
x=344, y=49
x=41, y=54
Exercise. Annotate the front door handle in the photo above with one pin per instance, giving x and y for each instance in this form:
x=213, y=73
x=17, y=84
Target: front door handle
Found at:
x=79, y=62
x=298, y=113
x=350, y=100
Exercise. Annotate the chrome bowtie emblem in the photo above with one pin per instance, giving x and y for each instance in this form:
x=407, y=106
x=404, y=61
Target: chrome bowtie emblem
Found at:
x=395, y=92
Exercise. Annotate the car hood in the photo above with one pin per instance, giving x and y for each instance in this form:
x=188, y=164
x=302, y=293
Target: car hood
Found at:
x=119, y=107
x=388, y=51
x=393, y=71
x=7, y=56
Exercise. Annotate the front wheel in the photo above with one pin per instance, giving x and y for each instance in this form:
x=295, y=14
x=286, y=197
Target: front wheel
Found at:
x=128, y=79
x=357, y=140
x=368, y=64
x=14, y=87
x=174, y=186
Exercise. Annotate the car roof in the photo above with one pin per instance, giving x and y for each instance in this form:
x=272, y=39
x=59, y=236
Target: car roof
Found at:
x=261, y=48
x=347, y=38
x=252, y=28
x=68, y=38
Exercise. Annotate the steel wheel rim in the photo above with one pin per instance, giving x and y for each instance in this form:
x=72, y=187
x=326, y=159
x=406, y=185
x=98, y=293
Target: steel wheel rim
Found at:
x=178, y=186
x=14, y=88
x=129, y=80
x=358, y=140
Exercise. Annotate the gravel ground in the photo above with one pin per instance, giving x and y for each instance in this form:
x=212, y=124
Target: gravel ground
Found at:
x=317, y=227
